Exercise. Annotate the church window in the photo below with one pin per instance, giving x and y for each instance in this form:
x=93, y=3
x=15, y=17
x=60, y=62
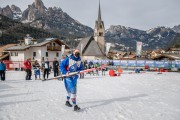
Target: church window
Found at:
x=100, y=34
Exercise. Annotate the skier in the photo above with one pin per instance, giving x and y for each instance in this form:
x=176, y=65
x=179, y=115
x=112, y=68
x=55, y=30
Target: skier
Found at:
x=71, y=64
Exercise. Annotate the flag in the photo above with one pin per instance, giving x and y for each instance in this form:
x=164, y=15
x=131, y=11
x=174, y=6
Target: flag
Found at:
x=138, y=48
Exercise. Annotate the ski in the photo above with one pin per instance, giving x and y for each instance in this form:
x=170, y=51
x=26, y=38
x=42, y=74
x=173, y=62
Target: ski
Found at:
x=74, y=73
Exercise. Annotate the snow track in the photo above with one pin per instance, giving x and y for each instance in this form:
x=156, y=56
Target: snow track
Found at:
x=146, y=96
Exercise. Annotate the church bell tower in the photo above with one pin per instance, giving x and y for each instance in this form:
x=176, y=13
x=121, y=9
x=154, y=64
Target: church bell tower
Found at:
x=99, y=31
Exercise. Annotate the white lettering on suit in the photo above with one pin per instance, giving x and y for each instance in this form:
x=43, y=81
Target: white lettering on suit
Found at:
x=72, y=62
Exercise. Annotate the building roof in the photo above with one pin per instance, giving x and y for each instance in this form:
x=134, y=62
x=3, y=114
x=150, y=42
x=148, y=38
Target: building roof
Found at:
x=18, y=48
x=89, y=47
x=44, y=41
x=4, y=56
x=84, y=43
x=2, y=48
x=40, y=42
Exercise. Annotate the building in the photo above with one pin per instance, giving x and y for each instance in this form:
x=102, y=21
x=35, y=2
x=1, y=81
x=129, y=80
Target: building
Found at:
x=93, y=47
x=171, y=54
x=4, y=55
x=36, y=49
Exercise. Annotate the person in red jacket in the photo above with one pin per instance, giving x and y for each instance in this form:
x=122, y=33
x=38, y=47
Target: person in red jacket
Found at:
x=27, y=67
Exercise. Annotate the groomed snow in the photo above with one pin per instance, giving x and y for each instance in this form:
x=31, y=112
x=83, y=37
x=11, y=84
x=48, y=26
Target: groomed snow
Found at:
x=144, y=96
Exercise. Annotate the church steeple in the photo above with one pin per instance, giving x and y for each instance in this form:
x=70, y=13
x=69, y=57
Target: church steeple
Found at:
x=99, y=13
x=99, y=31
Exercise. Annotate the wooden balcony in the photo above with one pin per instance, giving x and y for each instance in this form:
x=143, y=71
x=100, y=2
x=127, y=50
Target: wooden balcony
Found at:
x=53, y=48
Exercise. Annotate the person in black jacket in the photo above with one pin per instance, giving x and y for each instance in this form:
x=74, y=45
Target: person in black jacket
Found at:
x=56, y=67
x=46, y=67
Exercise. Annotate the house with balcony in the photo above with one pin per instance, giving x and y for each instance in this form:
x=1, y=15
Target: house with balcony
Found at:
x=39, y=49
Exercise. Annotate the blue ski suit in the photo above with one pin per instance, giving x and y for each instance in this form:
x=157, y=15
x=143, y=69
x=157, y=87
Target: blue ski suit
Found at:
x=71, y=64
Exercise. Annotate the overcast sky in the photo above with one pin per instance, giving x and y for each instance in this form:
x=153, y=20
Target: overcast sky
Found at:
x=140, y=14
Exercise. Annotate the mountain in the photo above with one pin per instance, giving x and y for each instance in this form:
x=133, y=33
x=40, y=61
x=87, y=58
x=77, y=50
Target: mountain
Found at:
x=54, y=19
x=124, y=38
x=176, y=28
x=59, y=23
x=12, y=31
x=175, y=43
x=12, y=12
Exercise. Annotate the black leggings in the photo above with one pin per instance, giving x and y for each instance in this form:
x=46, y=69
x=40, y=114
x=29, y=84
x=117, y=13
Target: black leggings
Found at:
x=28, y=74
x=56, y=72
x=2, y=74
x=46, y=72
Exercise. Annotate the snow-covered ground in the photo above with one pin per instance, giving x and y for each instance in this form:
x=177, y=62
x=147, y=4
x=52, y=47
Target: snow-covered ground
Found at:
x=144, y=96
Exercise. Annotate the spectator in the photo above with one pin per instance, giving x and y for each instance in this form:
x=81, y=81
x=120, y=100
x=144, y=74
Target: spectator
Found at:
x=2, y=70
x=46, y=67
x=36, y=67
x=56, y=67
x=27, y=67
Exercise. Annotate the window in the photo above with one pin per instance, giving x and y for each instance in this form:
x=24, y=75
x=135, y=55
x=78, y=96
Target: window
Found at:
x=46, y=54
x=57, y=54
x=16, y=53
x=100, y=26
x=100, y=34
x=50, y=44
x=34, y=54
x=54, y=44
x=11, y=53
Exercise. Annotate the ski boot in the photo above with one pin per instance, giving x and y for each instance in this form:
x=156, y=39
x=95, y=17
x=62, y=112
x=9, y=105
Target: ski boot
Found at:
x=76, y=108
x=68, y=104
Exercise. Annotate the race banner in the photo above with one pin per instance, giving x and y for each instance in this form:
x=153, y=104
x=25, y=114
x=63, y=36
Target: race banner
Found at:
x=138, y=48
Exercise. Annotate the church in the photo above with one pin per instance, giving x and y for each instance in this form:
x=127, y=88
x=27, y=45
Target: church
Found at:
x=93, y=47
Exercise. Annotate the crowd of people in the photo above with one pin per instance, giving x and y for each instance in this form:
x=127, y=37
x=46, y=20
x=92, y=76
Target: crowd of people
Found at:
x=72, y=63
x=38, y=68
x=44, y=68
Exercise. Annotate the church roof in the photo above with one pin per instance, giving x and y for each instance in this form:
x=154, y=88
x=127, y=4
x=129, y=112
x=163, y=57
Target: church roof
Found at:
x=89, y=47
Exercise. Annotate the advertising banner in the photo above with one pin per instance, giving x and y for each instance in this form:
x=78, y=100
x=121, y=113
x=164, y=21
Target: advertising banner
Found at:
x=138, y=48
x=131, y=63
x=150, y=63
x=124, y=63
x=141, y=63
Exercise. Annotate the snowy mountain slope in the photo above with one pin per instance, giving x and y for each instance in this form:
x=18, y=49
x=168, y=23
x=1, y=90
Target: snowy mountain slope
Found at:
x=146, y=96
x=154, y=38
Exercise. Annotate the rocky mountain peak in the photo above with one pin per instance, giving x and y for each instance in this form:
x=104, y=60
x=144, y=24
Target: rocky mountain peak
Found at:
x=34, y=11
x=176, y=28
x=15, y=8
x=6, y=11
x=40, y=6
